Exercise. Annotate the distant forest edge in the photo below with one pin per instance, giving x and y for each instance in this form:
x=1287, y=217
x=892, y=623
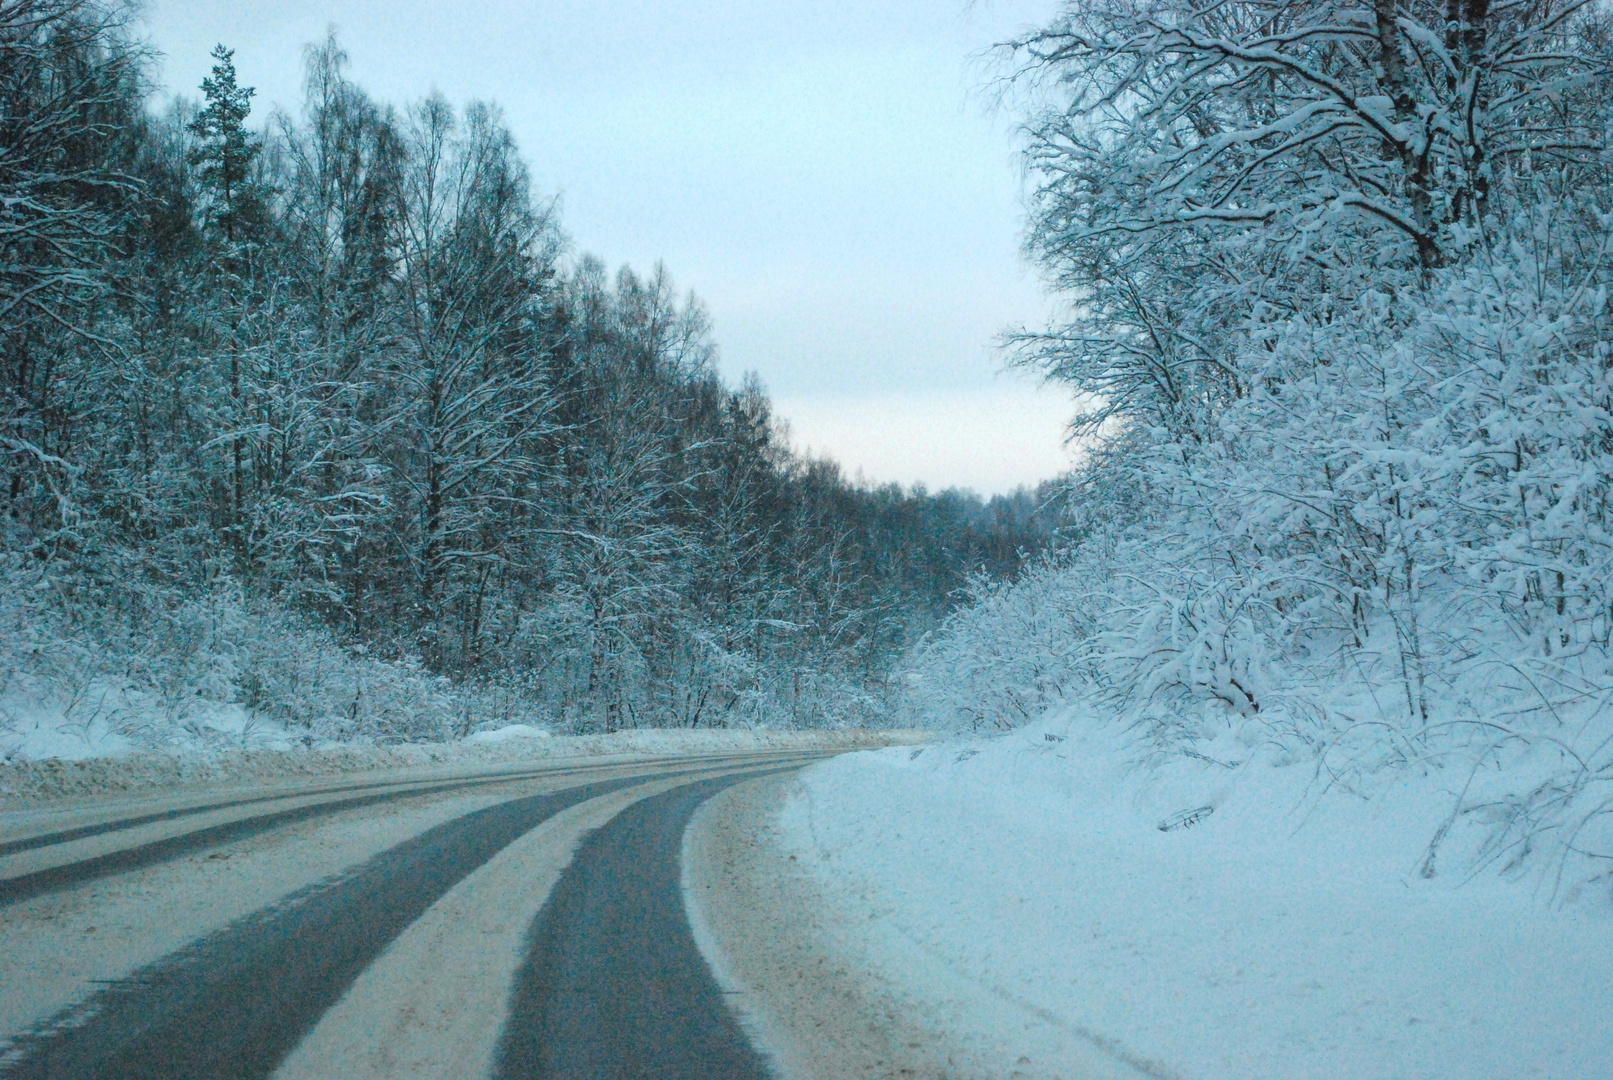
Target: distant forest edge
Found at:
x=314, y=425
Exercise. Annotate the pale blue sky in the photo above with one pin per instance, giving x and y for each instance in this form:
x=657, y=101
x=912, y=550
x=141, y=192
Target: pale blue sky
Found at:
x=823, y=174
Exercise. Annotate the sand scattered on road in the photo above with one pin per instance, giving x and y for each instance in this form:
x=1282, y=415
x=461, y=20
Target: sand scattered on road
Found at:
x=805, y=991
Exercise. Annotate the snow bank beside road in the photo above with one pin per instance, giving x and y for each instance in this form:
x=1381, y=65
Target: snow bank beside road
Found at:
x=508, y=732
x=25, y=783
x=1023, y=889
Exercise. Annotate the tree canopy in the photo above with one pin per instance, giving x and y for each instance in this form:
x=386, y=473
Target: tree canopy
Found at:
x=325, y=417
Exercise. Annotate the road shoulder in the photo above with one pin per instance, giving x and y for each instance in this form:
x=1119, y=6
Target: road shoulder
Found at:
x=815, y=1011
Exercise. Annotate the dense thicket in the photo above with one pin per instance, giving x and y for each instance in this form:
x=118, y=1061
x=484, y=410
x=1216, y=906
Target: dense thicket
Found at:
x=318, y=422
x=1337, y=278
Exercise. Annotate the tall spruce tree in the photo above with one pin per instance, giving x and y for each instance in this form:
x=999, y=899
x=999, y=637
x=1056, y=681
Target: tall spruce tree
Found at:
x=224, y=158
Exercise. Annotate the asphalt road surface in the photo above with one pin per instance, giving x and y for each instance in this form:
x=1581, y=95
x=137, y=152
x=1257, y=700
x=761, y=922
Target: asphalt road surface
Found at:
x=597, y=976
x=614, y=985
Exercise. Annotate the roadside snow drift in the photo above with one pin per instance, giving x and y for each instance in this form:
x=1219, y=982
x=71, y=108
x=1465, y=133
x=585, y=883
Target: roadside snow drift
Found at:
x=1223, y=918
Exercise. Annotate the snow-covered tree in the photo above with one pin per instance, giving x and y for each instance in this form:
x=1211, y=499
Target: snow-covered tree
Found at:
x=313, y=418
x=1336, y=283
x=1290, y=119
x=70, y=92
x=226, y=147
x=468, y=378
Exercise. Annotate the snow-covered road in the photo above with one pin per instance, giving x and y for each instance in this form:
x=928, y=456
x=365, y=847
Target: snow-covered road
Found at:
x=516, y=922
x=1011, y=909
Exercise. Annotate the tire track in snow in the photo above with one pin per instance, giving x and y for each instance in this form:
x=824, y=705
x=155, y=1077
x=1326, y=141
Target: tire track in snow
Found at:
x=613, y=984
x=234, y=1004
x=58, y=873
x=510, y=771
x=392, y=1024
x=178, y=813
x=72, y=874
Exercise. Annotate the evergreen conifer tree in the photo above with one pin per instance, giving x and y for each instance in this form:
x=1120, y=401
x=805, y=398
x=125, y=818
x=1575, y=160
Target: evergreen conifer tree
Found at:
x=227, y=149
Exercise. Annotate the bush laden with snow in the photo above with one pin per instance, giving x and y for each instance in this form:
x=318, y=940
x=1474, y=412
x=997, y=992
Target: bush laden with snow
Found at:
x=1350, y=484
x=87, y=669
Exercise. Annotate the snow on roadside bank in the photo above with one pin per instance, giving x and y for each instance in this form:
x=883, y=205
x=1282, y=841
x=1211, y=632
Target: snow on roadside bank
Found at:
x=31, y=782
x=1272, y=931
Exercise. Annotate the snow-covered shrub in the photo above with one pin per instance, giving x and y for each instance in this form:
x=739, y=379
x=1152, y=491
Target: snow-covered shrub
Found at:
x=87, y=667
x=1394, y=548
x=1335, y=286
x=1009, y=656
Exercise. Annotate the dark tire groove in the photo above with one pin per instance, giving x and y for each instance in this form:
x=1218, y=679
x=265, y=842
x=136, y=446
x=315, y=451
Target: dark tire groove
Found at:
x=69, y=875
x=62, y=836
x=232, y=1005
x=33, y=843
x=613, y=986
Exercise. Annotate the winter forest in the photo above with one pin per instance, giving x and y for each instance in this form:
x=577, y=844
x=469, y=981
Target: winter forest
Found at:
x=321, y=419
x=323, y=416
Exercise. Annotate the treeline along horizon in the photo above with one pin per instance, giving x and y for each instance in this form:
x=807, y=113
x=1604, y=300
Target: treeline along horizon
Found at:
x=342, y=369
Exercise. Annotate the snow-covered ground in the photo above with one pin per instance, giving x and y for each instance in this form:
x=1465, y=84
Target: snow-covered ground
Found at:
x=1022, y=892
x=33, y=732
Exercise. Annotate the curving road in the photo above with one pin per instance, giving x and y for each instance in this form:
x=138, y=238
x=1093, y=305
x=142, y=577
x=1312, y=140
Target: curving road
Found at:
x=523, y=924
x=614, y=984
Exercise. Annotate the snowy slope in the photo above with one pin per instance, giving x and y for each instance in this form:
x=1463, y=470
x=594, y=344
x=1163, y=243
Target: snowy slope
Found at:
x=1287, y=932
